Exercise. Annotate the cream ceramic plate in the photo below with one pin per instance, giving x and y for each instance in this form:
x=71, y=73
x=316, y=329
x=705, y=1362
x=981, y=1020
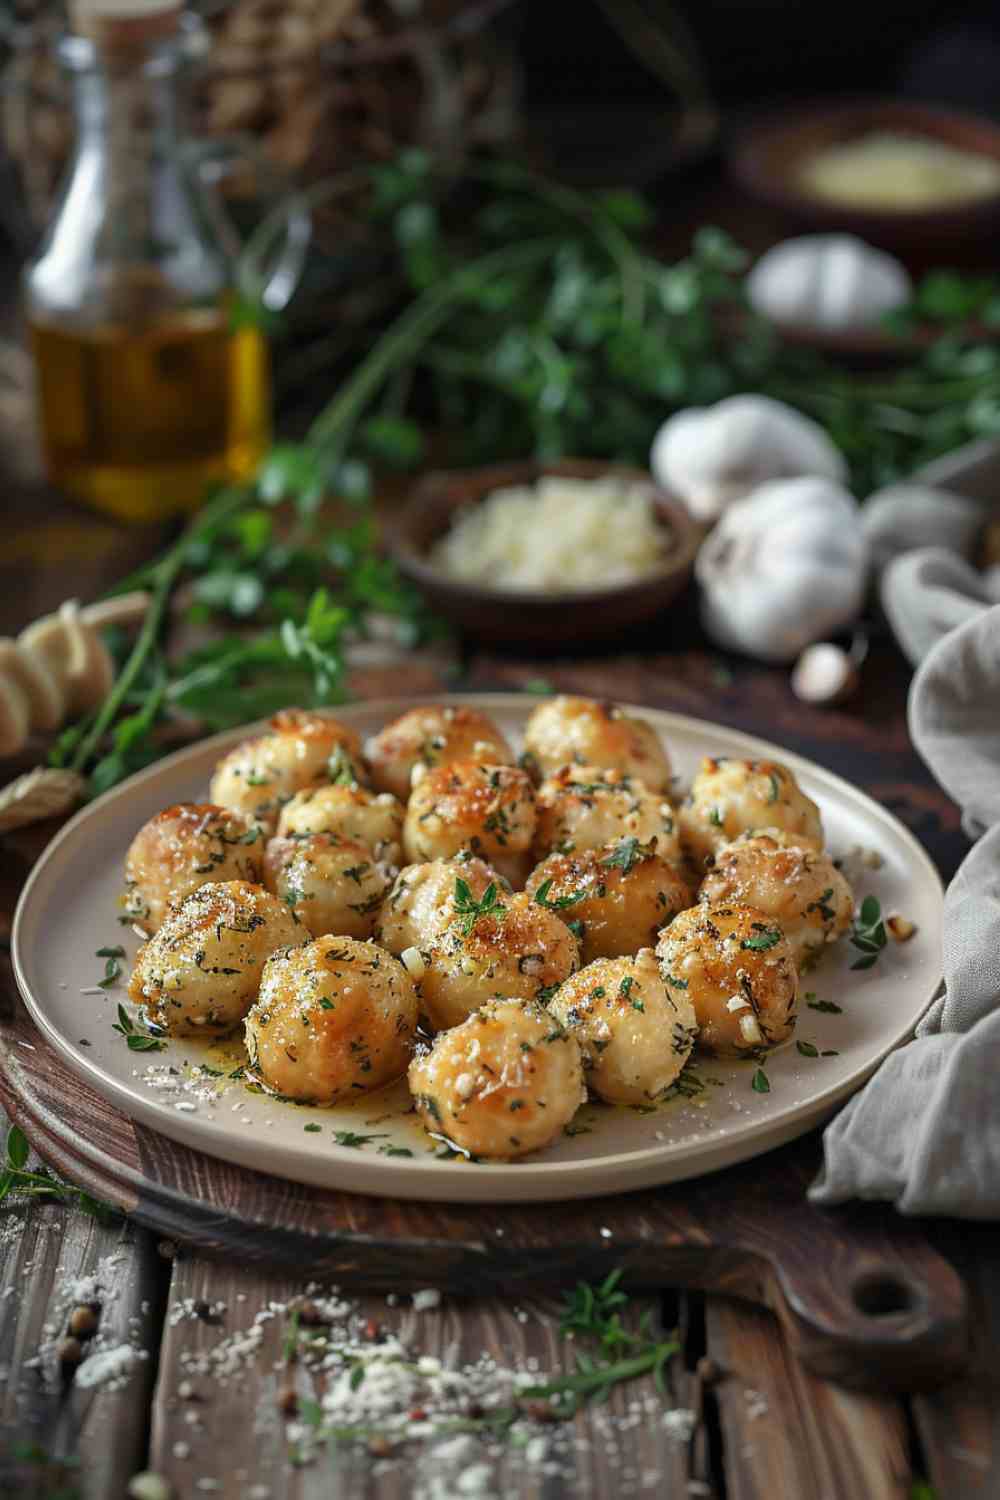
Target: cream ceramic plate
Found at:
x=69, y=909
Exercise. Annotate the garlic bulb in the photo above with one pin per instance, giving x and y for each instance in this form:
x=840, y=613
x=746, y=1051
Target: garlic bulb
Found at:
x=711, y=456
x=784, y=567
x=58, y=666
x=903, y=517
x=831, y=281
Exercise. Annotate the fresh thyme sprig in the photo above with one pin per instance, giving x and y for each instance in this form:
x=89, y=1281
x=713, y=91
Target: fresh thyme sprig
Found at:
x=868, y=934
x=136, y=1039
x=15, y=1178
x=592, y=1316
x=469, y=910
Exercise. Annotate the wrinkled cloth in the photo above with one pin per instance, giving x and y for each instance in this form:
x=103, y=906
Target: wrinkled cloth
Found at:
x=925, y=1131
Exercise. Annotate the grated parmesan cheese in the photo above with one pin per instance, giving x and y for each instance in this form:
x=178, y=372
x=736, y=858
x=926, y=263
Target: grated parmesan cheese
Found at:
x=561, y=535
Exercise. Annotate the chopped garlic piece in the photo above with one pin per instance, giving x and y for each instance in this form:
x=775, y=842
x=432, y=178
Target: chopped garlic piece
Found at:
x=750, y=1030
x=737, y=1002
x=413, y=962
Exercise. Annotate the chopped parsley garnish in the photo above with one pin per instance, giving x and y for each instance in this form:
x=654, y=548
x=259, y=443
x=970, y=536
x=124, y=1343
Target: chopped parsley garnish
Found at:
x=822, y=905
x=715, y=817
x=561, y=902
x=312, y=1127
x=775, y=787
x=807, y=1049
x=678, y=984
x=828, y=1007
x=112, y=967
x=759, y=1082
x=763, y=938
x=349, y=1138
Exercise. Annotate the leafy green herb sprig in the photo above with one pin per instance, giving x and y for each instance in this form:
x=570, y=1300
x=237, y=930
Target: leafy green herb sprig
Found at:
x=16, y=1178
x=136, y=1039
x=468, y=910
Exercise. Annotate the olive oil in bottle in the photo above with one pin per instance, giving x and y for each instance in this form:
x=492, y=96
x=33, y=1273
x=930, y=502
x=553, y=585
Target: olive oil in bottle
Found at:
x=140, y=421
x=147, y=391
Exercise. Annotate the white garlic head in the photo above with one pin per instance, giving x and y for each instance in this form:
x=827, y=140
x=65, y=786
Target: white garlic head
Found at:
x=711, y=456
x=831, y=281
x=786, y=566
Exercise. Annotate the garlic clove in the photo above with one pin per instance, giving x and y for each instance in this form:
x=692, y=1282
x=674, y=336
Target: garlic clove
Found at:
x=15, y=713
x=833, y=282
x=43, y=793
x=712, y=457
x=824, y=674
x=37, y=680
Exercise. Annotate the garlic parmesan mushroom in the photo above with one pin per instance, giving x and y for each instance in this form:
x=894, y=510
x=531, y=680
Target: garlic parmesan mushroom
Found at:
x=738, y=971
x=502, y=1084
x=784, y=567
x=712, y=456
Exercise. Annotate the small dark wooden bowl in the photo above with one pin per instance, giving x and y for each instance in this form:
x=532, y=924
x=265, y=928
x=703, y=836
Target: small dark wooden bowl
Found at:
x=522, y=618
x=768, y=156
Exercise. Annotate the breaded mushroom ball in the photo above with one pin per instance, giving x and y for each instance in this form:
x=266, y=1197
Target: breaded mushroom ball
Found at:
x=583, y=807
x=433, y=735
x=301, y=748
x=514, y=950
x=470, y=804
x=636, y=1033
x=421, y=903
x=799, y=890
x=738, y=971
x=329, y=883
x=584, y=732
x=374, y=819
x=505, y=1082
x=729, y=797
x=616, y=898
x=199, y=974
x=334, y=1017
x=182, y=848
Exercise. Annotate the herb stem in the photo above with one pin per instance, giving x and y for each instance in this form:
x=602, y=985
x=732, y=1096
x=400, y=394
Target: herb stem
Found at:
x=165, y=572
x=403, y=338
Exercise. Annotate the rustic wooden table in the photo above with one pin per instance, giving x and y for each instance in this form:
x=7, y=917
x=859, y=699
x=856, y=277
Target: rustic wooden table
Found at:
x=209, y=1421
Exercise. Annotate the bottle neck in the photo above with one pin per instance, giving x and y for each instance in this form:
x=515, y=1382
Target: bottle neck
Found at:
x=134, y=109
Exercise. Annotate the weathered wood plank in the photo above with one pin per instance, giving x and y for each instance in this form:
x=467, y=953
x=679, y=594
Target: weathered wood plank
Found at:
x=218, y=1376
x=788, y=1433
x=48, y=1255
x=959, y=1426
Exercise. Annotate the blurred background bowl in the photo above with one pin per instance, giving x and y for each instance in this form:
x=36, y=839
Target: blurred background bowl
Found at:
x=521, y=618
x=768, y=157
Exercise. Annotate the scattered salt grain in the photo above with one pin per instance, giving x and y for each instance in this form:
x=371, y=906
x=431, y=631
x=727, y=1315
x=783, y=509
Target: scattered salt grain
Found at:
x=679, y=1423
x=107, y=1367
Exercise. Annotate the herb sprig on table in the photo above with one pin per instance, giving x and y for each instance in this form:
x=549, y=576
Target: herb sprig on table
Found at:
x=17, y=1179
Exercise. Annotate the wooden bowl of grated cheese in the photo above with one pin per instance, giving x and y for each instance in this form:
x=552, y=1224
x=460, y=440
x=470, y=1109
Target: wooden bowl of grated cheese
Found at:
x=545, y=555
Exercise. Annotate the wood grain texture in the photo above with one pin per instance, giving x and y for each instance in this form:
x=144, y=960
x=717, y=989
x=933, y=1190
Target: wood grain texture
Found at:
x=621, y=1449
x=787, y=1433
x=748, y=1232
x=43, y=1248
x=959, y=1426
